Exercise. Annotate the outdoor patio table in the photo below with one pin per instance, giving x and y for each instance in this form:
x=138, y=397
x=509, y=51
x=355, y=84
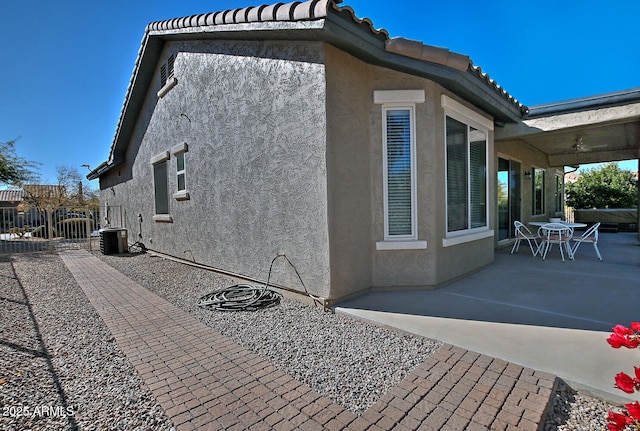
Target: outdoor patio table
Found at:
x=555, y=233
x=566, y=223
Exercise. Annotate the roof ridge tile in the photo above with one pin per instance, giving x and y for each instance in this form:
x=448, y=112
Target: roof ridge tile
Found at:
x=293, y=11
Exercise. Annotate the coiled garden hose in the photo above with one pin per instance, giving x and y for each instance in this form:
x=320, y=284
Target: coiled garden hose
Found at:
x=240, y=297
x=244, y=297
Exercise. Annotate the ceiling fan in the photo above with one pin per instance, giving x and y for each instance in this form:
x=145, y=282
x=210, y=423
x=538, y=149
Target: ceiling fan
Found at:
x=580, y=146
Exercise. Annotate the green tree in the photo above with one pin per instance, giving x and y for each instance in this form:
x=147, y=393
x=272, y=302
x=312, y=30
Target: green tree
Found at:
x=606, y=187
x=15, y=170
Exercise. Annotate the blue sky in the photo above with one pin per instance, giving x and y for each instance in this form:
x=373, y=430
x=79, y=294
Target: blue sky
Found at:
x=67, y=64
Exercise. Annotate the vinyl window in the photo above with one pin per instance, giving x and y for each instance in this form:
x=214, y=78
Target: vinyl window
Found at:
x=160, y=166
x=537, y=192
x=559, y=194
x=467, y=182
x=399, y=172
x=180, y=172
x=179, y=152
x=160, y=181
x=399, y=168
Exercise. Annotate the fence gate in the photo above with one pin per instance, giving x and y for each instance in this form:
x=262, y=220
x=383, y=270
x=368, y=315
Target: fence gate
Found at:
x=30, y=229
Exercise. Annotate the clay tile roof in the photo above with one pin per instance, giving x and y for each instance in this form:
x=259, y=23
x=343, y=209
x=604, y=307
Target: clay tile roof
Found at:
x=44, y=190
x=318, y=9
x=416, y=49
x=10, y=196
x=478, y=71
x=294, y=11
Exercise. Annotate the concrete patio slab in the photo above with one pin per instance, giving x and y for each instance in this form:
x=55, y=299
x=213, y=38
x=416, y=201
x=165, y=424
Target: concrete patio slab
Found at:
x=548, y=315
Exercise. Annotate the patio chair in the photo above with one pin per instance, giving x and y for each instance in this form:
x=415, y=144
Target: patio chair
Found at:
x=590, y=235
x=555, y=233
x=523, y=233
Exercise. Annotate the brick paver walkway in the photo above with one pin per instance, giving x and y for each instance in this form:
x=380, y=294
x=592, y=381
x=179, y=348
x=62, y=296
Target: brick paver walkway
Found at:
x=204, y=381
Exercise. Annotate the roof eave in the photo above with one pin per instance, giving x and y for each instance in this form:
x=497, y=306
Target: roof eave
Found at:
x=336, y=25
x=102, y=169
x=586, y=103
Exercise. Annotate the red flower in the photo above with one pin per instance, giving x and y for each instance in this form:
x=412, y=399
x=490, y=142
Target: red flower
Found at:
x=625, y=383
x=634, y=410
x=622, y=330
x=632, y=342
x=635, y=326
x=616, y=340
x=618, y=421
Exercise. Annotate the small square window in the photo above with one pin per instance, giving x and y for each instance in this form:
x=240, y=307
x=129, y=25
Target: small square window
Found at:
x=179, y=152
x=180, y=171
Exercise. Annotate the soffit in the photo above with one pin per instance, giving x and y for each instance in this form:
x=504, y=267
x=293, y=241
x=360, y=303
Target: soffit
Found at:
x=590, y=130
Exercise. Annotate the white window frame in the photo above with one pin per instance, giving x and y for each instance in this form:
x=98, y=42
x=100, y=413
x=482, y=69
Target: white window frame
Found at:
x=559, y=194
x=179, y=151
x=181, y=172
x=543, y=200
x=400, y=100
x=161, y=159
x=470, y=118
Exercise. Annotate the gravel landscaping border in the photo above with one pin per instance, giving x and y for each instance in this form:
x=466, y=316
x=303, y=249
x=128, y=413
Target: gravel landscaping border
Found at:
x=59, y=365
x=351, y=362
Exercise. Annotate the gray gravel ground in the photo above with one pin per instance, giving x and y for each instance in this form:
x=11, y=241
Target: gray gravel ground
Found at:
x=58, y=360
x=351, y=362
x=59, y=366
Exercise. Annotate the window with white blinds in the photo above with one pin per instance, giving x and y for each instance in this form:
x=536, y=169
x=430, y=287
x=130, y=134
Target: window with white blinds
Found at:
x=466, y=176
x=399, y=172
x=477, y=178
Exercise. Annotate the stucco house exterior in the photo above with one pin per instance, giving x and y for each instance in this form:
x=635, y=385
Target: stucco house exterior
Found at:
x=299, y=129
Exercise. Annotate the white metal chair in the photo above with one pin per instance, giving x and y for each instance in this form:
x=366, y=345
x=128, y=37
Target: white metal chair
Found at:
x=555, y=233
x=590, y=235
x=523, y=233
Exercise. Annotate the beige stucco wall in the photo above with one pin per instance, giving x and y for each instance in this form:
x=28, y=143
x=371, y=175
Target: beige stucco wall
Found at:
x=286, y=156
x=253, y=117
x=355, y=185
x=349, y=172
x=400, y=268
